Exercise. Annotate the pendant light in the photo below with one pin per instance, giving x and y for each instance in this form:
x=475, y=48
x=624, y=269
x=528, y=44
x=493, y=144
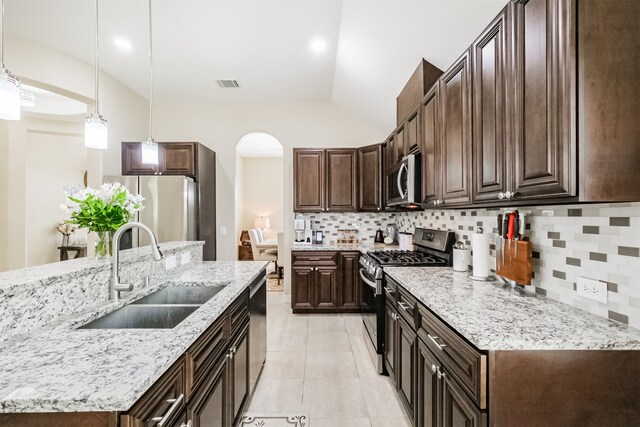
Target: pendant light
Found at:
x=150, y=148
x=95, y=126
x=9, y=84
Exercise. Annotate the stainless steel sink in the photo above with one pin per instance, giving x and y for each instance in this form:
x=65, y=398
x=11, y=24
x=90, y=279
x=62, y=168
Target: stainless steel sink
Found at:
x=181, y=295
x=143, y=317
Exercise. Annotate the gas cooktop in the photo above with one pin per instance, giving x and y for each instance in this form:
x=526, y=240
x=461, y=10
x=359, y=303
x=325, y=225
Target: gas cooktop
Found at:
x=404, y=258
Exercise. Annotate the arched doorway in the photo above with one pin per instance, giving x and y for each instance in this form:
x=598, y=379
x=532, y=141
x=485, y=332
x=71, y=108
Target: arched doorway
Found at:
x=259, y=188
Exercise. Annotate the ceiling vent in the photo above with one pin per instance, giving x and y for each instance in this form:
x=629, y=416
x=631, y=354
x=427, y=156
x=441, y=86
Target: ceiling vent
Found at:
x=228, y=83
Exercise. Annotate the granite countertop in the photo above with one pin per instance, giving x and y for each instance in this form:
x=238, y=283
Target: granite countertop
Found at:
x=359, y=247
x=493, y=317
x=62, y=369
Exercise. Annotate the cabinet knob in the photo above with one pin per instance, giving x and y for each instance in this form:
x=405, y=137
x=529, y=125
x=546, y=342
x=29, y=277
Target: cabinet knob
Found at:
x=159, y=173
x=441, y=374
x=188, y=424
x=501, y=195
x=434, y=368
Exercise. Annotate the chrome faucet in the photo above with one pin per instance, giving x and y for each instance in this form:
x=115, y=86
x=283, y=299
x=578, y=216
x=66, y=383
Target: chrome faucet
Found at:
x=115, y=286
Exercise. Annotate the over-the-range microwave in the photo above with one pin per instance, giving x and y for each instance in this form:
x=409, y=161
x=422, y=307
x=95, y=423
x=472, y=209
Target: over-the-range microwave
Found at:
x=404, y=185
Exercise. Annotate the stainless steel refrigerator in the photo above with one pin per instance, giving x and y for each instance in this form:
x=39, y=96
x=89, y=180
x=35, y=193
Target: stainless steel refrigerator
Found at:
x=170, y=207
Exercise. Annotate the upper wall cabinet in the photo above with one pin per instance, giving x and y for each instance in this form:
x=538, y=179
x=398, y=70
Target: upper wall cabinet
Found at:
x=412, y=131
x=491, y=55
x=430, y=148
x=455, y=113
x=174, y=158
x=309, y=180
x=325, y=180
x=342, y=185
x=545, y=98
x=370, y=178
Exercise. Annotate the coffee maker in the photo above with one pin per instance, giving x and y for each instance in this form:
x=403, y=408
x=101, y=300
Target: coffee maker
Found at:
x=302, y=231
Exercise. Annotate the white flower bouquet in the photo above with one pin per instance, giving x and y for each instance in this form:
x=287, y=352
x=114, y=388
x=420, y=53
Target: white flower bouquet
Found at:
x=102, y=211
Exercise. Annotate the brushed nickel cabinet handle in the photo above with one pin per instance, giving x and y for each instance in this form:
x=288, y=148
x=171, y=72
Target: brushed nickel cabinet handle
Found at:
x=174, y=405
x=404, y=306
x=436, y=343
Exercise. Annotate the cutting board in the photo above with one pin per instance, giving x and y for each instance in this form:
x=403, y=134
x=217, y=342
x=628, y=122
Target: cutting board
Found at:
x=520, y=268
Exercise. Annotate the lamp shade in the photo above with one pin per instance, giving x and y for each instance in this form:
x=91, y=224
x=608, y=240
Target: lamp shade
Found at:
x=95, y=132
x=9, y=96
x=150, y=152
x=262, y=222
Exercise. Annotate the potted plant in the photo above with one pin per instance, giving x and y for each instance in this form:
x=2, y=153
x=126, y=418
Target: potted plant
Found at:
x=102, y=211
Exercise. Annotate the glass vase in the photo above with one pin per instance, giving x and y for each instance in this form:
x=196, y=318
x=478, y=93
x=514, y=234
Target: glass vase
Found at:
x=103, y=245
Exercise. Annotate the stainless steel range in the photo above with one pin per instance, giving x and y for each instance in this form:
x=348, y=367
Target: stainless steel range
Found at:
x=431, y=248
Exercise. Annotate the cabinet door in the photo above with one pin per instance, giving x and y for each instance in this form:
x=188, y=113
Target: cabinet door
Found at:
x=308, y=180
x=370, y=178
x=428, y=393
x=131, y=153
x=458, y=410
x=491, y=56
x=400, y=143
x=390, y=339
x=430, y=147
x=412, y=130
x=239, y=374
x=349, y=280
x=406, y=366
x=342, y=186
x=178, y=158
x=302, y=287
x=209, y=406
x=545, y=92
x=389, y=154
x=326, y=287
x=455, y=102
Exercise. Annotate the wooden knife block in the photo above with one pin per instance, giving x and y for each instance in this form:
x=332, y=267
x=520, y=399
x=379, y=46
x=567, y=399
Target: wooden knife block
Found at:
x=520, y=268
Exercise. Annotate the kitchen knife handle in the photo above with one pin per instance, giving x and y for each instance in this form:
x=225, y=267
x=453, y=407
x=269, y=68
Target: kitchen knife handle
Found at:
x=516, y=225
x=522, y=226
x=510, y=227
x=505, y=226
x=500, y=225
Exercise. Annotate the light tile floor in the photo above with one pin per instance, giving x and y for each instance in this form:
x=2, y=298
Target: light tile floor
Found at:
x=319, y=365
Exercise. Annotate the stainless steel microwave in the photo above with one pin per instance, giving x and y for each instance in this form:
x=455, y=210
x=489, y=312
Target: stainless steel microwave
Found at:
x=404, y=185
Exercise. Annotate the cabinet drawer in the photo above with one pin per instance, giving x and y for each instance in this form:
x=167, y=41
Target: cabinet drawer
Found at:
x=466, y=364
x=391, y=291
x=407, y=307
x=324, y=258
x=203, y=354
x=165, y=399
x=238, y=312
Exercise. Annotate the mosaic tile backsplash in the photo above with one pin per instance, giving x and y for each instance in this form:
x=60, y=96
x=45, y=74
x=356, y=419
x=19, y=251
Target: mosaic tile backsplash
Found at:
x=600, y=242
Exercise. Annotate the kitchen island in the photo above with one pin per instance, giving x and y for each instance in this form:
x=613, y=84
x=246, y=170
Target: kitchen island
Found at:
x=59, y=369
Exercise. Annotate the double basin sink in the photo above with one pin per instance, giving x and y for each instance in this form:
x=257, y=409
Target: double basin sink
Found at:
x=163, y=309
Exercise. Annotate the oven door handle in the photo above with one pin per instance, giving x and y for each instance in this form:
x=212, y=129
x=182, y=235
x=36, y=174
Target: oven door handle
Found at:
x=369, y=282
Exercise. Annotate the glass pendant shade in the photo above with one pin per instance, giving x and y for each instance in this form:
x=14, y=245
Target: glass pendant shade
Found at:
x=95, y=132
x=9, y=96
x=150, y=152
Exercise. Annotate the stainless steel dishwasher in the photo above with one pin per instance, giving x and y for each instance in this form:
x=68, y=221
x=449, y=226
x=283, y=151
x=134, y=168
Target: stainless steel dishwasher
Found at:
x=257, y=327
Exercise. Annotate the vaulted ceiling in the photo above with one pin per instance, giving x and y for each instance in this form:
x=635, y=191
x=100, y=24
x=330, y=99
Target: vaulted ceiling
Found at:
x=372, y=46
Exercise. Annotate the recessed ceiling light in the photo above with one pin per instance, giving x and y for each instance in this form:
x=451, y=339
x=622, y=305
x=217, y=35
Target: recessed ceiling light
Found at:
x=122, y=43
x=318, y=45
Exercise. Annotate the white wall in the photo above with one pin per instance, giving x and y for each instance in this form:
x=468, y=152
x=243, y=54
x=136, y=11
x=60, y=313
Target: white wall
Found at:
x=220, y=127
x=263, y=192
x=36, y=64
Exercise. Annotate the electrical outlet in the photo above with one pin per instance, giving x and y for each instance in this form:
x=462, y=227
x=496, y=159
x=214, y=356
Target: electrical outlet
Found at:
x=592, y=289
x=185, y=258
x=223, y=230
x=170, y=262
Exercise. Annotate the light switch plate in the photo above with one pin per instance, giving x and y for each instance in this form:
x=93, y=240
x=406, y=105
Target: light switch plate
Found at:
x=170, y=262
x=592, y=289
x=185, y=258
x=223, y=230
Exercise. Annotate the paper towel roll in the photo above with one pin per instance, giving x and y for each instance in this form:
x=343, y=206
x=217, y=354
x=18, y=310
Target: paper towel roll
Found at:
x=480, y=259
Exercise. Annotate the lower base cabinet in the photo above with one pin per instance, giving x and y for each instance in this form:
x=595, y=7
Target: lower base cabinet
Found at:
x=405, y=370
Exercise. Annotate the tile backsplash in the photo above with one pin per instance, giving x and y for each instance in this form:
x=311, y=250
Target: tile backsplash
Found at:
x=600, y=242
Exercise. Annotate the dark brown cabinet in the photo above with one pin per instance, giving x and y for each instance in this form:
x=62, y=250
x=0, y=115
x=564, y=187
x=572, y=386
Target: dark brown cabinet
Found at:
x=349, y=284
x=545, y=99
x=174, y=158
x=309, y=180
x=370, y=166
x=342, y=185
x=492, y=153
x=390, y=338
x=400, y=144
x=413, y=131
x=406, y=366
x=326, y=282
x=325, y=180
x=209, y=406
x=428, y=389
x=430, y=147
x=455, y=113
x=458, y=410
x=239, y=374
